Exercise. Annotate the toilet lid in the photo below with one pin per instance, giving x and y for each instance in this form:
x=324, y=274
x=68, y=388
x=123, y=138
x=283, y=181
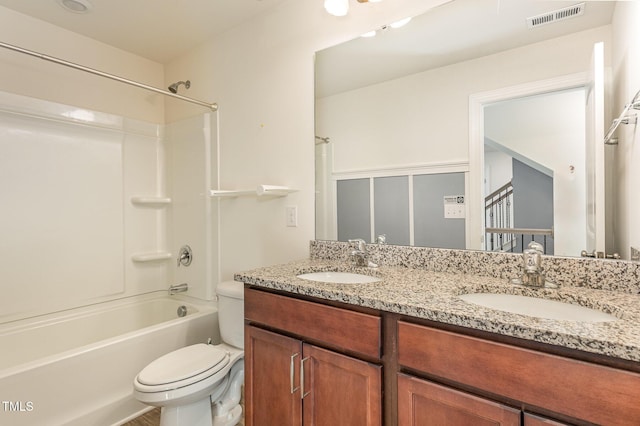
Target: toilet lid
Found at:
x=184, y=363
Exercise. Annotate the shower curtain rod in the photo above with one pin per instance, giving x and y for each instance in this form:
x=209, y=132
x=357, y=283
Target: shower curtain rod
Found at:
x=213, y=107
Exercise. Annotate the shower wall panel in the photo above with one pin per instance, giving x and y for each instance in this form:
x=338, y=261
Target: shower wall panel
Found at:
x=67, y=226
x=193, y=171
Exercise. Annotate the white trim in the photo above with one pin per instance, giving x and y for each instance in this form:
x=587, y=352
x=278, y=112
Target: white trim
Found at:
x=477, y=101
x=467, y=212
x=412, y=230
x=334, y=210
x=372, y=210
x=408, y=170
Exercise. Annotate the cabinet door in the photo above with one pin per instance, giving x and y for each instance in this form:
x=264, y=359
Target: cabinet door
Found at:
x=272, y=378
x=340, y=390
x=533, y=420
x=422, y=403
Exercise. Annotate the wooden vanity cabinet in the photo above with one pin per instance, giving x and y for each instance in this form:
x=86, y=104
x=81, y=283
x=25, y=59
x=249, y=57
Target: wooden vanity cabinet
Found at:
x=581, y=392
x=310, y=364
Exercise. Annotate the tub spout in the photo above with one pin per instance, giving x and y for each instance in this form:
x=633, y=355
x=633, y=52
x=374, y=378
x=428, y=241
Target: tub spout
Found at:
x=178, y=288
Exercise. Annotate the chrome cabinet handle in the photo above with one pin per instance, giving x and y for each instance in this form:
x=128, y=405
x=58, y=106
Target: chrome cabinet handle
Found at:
x=292, y=373
x=302, y=392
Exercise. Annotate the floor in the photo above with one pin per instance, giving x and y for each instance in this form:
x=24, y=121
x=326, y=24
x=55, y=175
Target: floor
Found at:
x=152, y=418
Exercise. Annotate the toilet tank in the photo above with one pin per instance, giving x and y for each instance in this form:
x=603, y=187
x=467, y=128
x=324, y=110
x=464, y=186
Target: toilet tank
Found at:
x=231, y=312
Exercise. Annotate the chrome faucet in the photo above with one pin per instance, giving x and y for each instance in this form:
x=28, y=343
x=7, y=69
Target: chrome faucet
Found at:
x=532, y=275
x=532, y=259
x=359, y=255
x=178, y=288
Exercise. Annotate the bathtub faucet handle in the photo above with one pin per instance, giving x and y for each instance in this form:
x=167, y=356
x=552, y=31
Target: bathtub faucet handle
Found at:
x=185, y=256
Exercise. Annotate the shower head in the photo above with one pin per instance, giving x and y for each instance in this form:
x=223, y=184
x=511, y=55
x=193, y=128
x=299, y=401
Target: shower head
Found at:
x=174, y=87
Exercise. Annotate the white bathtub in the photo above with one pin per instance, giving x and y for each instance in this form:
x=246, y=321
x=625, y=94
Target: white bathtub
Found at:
x=76, y=367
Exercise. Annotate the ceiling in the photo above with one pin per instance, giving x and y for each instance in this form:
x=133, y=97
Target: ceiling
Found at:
x=162, y=30
x=454, y=32
x=159, y=30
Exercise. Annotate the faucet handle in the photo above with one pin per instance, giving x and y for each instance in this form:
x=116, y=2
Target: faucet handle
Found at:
x=534, y=245
x=185, y=256
x=361, y=245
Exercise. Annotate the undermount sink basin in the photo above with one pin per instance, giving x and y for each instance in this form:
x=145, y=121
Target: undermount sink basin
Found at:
x=536, y=307
x=339, y=277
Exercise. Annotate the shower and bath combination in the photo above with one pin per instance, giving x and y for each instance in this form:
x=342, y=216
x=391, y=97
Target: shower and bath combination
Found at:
x=174, y=87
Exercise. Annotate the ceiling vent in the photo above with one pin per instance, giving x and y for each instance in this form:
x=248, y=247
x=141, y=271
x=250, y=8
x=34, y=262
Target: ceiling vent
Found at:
x=556, y=15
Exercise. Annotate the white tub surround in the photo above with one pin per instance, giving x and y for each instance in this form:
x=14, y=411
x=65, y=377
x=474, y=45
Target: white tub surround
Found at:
x=68, y=175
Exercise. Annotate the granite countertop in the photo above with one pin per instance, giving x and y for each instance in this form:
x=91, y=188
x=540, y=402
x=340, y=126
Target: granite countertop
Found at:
x=434, y=296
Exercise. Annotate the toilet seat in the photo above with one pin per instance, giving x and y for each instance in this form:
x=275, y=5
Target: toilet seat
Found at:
x=181, y=368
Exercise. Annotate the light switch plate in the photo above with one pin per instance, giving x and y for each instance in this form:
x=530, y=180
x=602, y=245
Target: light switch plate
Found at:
x=292, y=216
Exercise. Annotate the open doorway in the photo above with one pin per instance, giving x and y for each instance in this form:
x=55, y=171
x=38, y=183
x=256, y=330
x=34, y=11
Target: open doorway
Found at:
x=537, y=147
x=527, y=141
x=570, y=237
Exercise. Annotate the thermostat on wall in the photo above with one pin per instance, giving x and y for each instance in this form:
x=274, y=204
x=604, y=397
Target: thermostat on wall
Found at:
x=454, y=207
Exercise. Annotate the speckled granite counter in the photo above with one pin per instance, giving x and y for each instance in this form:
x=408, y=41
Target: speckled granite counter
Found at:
x=432, y=294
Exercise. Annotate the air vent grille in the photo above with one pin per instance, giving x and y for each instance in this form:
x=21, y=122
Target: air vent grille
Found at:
x=556, y=15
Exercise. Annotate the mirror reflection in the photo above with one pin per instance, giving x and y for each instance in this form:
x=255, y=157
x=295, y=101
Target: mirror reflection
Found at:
x=472, y=126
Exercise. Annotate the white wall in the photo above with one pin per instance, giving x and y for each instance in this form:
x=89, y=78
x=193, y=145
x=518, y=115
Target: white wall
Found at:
x=626, y=78
x=261, y=74
x=498, y=170
x=34, y=77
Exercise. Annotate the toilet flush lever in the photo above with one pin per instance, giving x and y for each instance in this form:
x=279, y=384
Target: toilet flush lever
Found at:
x=185, y=256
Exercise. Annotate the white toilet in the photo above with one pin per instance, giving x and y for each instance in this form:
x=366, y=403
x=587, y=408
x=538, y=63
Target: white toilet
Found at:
x=200, y=385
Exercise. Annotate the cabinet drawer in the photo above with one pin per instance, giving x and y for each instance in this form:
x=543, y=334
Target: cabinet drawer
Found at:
x=578, y=389
x=340, y=328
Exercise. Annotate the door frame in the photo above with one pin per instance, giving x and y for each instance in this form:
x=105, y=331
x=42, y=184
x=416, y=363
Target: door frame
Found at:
x=474, y=232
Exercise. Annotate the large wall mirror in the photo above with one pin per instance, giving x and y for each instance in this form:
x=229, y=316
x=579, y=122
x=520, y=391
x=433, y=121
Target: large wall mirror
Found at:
x=478, y=114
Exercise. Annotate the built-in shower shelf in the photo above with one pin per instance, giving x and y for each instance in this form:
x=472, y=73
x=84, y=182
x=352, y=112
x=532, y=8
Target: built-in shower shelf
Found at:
x=151, y=201
x=260, y=191
x=151, y=256
x=231, y=193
